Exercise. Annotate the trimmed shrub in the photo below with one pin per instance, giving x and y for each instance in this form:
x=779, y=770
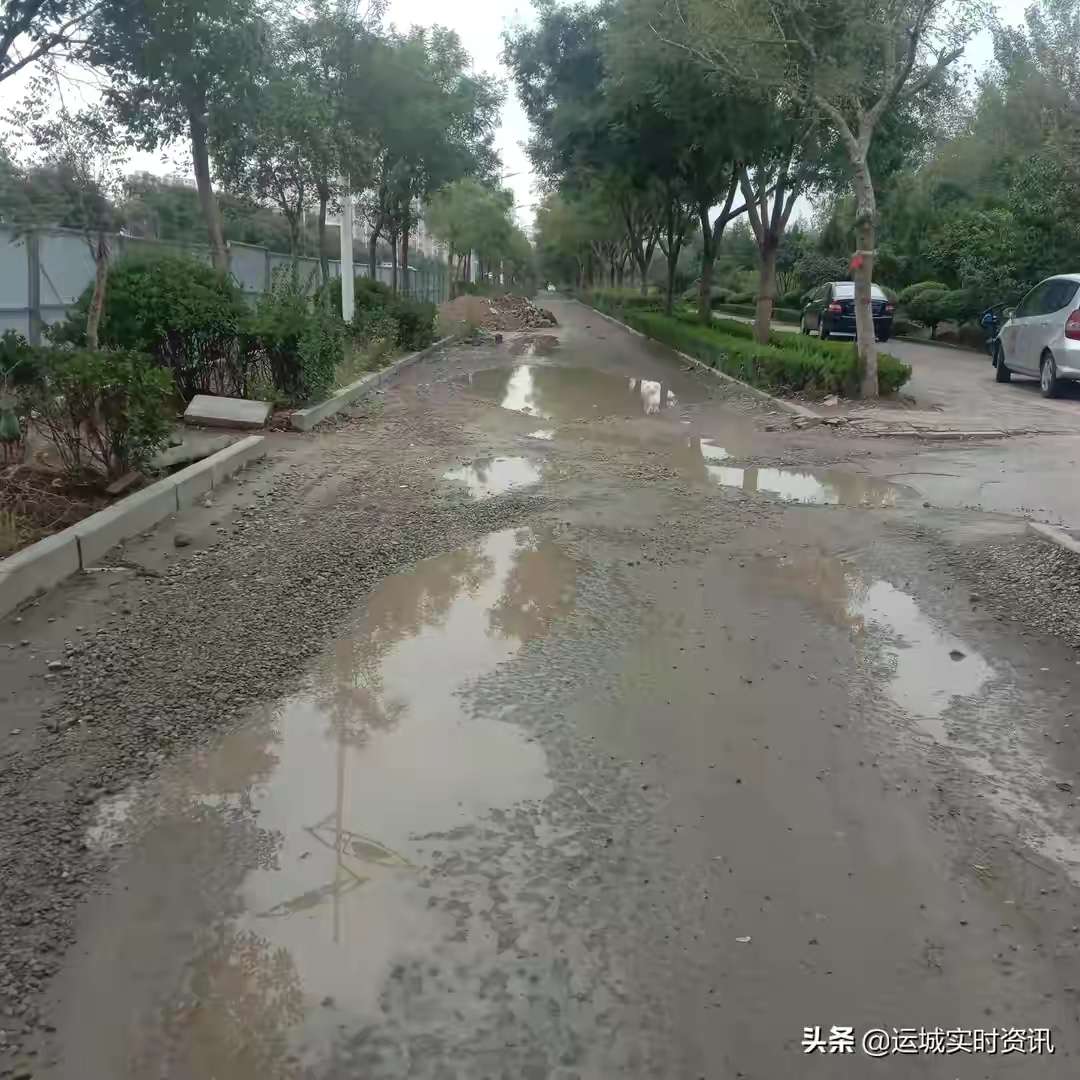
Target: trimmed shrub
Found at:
x=612, y=300
x=780, y=314
x=103, y=410
x=790, y=363
x=184, y=313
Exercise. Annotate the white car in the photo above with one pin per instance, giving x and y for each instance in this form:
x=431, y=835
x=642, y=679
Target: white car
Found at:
x=1041, y=338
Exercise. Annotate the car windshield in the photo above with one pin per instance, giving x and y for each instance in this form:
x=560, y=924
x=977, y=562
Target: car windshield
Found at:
x=845, y=290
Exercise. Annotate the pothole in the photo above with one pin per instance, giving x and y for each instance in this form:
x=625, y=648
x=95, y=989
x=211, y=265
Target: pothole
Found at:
x=493, y=476
x=570, y=393
x=811, y=487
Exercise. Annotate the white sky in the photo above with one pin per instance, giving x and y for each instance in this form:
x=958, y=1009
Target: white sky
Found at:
x=480, y=24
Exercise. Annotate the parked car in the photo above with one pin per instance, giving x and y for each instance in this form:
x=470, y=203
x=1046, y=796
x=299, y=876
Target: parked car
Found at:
x=1041, y=338
x=831, y=310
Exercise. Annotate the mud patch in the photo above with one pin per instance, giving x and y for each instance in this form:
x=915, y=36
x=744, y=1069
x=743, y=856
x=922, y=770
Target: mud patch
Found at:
x=569, y=393
x=493, y=476
x=539, y=345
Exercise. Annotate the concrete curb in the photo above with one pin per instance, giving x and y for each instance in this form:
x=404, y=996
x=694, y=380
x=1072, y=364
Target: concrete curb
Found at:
x=1055, y=536
x=782, y=403
x=306, y=419
x=41, y=566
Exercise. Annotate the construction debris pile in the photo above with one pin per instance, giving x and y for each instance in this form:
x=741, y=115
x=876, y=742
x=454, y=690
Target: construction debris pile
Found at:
x=496, y=313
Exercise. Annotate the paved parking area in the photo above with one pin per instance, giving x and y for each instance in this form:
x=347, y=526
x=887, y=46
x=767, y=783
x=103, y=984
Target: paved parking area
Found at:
x=956, y=382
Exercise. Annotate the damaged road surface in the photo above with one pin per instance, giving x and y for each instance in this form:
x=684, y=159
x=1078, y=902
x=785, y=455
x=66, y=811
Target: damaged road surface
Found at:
x=564, y=713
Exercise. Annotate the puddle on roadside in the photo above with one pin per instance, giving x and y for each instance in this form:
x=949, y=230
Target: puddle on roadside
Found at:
x=493, y=476
x=931, y=667
x=928, y=672
x=568, y=393
x=540, y=345
x=349, y=786
x=816, y=487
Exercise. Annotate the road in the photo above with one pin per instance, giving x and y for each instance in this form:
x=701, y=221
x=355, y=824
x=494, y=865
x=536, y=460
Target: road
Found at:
x=564, y=713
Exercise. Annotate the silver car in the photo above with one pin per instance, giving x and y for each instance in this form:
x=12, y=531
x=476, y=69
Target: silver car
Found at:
x=1042, y=336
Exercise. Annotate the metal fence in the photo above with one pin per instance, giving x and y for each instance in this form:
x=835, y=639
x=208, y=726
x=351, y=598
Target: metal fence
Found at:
x=43, y=271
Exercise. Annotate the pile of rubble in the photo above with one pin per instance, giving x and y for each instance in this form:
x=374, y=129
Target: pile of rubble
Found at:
x=497, y=313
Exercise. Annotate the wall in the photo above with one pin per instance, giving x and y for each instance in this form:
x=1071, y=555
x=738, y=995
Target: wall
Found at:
x=43, y=271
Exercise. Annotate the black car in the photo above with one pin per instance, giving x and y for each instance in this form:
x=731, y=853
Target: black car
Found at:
x=831, y=310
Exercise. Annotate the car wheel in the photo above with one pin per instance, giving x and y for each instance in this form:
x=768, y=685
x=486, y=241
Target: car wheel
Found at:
x=1001, y=372
x=1049, y=383
x=883, y=337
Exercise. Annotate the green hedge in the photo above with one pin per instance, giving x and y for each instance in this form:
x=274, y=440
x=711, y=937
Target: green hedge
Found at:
x=780, y=314
x=790, y=363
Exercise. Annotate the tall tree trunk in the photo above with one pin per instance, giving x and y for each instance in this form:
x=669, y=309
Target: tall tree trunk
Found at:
x=373, y=255
x=200, y=154
x=97, y=298
x=863, y=275
x=393, y=238
x=672, y=269
x=405, y=227
x=450, y=270
x=708, y=257
x=766, y=289
x=324, y=256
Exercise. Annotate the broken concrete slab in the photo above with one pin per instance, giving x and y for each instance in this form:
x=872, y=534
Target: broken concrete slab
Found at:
x=195, y=446
x=212, y=411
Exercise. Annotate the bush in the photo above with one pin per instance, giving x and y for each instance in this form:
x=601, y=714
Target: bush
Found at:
x=930, y=303
x=182, y=312
x=104, y=410
x=375, y=304
x=297, y=345
x=789, y=363
x=780, y=314
x=614, y=300
x=20, y=362
x=416, y=322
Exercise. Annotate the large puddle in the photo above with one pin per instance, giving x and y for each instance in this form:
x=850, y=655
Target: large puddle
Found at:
x=343, y=792
x=494, y=476
x=568, y=393
x=812, y=487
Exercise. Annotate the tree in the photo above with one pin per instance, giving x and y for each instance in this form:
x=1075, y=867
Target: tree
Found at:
x=472, y=217
x=850, y=65
x=33, y=30
x=266, y=144
x=172, y=63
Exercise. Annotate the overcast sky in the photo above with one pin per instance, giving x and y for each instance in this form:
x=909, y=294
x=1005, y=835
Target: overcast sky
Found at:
x=480, y=24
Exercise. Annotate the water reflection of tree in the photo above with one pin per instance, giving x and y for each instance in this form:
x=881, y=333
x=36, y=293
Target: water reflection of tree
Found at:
x=539, y=588
x=350, y=687
x=243, y=996
x=244, y=758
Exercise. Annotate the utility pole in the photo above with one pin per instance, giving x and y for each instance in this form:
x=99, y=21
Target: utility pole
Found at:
x=348, y=304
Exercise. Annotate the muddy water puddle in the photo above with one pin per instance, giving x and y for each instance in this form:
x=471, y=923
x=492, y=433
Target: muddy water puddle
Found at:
x=947, y=689
x=552, y=392
x=494, y=476
x=313, y=826
x=810, y=487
